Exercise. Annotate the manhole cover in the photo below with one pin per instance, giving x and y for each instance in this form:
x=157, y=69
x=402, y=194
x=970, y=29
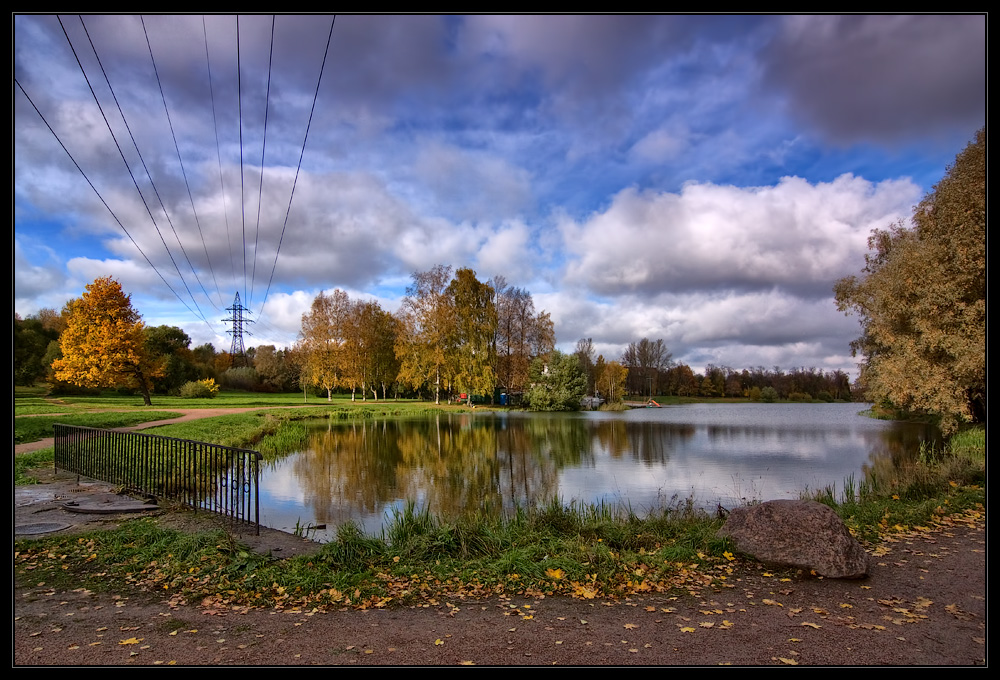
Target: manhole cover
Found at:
x=39, y=527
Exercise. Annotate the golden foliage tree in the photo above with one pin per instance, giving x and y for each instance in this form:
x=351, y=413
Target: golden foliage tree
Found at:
x=475, y=327
x=104, y=343
x=922, y=300
x=322, y=335
x=427, y=319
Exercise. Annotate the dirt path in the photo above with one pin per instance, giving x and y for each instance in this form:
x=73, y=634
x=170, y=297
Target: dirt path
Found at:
x=924, y=604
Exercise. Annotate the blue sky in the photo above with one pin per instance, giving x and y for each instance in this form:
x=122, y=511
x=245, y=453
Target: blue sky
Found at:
x=700, y=179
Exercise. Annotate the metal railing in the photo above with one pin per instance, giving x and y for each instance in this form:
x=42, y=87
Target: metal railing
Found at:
x=220, y=479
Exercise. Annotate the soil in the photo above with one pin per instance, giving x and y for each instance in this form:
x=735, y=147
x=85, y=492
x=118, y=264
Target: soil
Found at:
x=923, y=603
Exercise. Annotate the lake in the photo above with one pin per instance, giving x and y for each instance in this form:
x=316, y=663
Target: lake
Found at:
x=451, y=463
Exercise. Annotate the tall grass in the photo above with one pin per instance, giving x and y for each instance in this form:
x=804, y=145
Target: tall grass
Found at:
x=903, y=494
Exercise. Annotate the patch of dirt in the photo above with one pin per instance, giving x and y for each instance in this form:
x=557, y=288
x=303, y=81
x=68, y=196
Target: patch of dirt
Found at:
x=45, y=503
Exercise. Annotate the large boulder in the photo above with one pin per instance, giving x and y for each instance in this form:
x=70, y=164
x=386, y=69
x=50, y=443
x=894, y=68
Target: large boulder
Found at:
x=803, y=534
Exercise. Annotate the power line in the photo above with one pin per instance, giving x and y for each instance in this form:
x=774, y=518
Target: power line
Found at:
x=263, y=146
x=113, y=215
x=239, y=91
x=218, y=149
x=142, y=160
x=180, y=161
x=127, y=168
x=312, y=110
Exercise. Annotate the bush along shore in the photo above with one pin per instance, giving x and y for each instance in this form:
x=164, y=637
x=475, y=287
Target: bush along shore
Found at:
x=558, y=549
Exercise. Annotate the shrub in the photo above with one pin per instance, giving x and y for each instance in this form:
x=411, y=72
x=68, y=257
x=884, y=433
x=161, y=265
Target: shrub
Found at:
x=769, y=394
x=201, y=389
x=824, y=396
x=800, y=396
x=242, y=378
x=754, y=394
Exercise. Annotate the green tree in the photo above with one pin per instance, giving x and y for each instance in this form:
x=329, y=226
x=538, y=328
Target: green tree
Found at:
x=31, y=346
x=170, y=345
x=922, y=300
x=104, y=344
x=557, y=384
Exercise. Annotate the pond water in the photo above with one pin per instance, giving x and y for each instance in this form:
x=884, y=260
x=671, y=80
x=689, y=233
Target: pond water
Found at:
x=724, y=454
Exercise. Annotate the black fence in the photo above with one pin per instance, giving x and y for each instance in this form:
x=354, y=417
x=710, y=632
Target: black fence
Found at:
x=203, y=476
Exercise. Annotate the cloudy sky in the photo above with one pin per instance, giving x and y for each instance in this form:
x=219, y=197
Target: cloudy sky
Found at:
x=700, y=179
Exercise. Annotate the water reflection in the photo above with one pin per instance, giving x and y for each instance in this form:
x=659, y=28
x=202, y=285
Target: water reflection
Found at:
x=455, y=463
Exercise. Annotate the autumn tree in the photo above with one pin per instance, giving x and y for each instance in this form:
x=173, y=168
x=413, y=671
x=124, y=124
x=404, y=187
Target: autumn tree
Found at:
x=104, y=343
x=475, y=324
x=611, y=380
x=322, y=340
x=427, y=321
x=369, y=357
x=922, y=300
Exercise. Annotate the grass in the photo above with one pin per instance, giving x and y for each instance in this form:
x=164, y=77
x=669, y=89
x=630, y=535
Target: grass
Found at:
x=35, y=428
x=584, y=551
x=899, y=496
x=28, y=461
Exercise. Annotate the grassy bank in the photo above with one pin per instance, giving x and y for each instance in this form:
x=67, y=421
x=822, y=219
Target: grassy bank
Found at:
x=580, y=551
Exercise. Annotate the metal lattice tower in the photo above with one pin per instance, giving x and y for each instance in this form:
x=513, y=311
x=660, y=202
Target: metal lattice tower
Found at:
x=237, y=353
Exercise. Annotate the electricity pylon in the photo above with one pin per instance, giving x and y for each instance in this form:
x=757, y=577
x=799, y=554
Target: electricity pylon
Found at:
x=238, y=353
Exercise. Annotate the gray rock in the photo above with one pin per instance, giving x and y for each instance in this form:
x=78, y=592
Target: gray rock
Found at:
x=803, y=534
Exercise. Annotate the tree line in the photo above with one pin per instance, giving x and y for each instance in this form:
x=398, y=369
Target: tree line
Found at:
x=453, y=335
x=646, y=369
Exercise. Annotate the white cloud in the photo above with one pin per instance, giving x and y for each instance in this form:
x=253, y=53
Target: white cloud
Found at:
x=794, y=234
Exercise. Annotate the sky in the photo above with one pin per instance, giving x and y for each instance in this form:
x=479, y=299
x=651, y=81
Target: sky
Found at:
x=704, y=180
